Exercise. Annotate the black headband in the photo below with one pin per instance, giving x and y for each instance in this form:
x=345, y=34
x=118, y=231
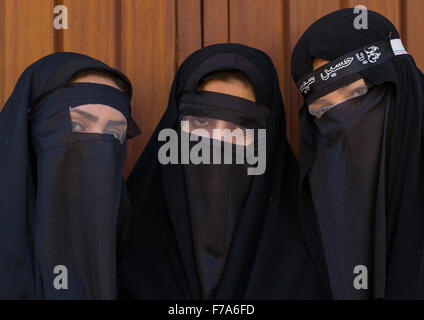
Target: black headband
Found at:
x=223, y=106
x=93, y=93
x=347, y=67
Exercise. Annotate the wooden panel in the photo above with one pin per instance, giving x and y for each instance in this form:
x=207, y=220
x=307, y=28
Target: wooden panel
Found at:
x=148, y=58
x=215, y=22
x=92, y=29
x=148, y=39
x=189, y=33
x=3, y=75
x=413, y=33
x=26, y=36
x=300, y=14
x=250, y=21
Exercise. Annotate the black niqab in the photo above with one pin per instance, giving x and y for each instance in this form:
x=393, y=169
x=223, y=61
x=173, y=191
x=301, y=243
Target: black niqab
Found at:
x=344, y=183
x=390, y=142
x=267, y=257
x=60, y=190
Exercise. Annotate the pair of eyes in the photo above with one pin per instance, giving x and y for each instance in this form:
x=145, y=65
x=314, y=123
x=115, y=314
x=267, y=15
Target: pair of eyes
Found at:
x=202, y=122
x=210, y=124
x=317, y=109
x=236, y=133
x=98, y=119
x=81, y=127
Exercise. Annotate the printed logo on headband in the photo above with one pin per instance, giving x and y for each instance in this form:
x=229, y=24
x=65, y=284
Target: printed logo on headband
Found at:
x=356, y=61
x=306, y=85
x=332, y=72
x=372, y=55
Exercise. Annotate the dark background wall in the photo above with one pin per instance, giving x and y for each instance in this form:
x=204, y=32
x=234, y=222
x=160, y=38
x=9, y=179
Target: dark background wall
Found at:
x=148, y=39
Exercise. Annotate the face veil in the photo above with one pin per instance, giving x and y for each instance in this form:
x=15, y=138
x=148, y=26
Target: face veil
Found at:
x=345, y=181
x=217, y=188
x=357, y=153
x=65, y=188
x=211, y=231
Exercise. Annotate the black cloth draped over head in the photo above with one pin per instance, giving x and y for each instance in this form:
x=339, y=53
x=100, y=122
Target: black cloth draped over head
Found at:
x=62, y=196
x=200, y=232
x=361, y=167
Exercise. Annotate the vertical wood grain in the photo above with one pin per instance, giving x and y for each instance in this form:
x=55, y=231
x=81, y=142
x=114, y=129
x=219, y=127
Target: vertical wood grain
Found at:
x=189, y=28
x=300, y=14
x=92, y=29
x=26, y=36
x=259, y=24
x=148, y=58
x=262, y=25
x=215, y=22
x=414, y=28
x=3, y=75
x=148, y=39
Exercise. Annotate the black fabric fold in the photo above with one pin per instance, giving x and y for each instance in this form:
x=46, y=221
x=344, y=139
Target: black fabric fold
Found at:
x=226, y=107
x=346, y=183
x=216, y=194
x=267, y=257
x=398, y=204
x=344, y=70
x=62, y=201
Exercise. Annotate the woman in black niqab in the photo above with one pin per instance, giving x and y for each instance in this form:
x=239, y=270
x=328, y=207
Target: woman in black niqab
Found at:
x=361, y=171
x=266, y=257
x=62, y=197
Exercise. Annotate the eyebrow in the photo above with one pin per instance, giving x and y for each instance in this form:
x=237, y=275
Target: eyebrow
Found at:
x=322, y=101
x=86, y=115
x=341, y=90
x=116, y=123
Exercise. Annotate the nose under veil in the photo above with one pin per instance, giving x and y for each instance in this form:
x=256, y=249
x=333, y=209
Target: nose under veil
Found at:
x=347, y=176
x=347, y=183
x=218, y=187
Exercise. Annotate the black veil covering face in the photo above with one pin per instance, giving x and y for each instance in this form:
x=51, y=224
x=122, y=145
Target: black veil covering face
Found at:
x=361, y=172
x=216, y=192
x=62, y=200
x=252, y=248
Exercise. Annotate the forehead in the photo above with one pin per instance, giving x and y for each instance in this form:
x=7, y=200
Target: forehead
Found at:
x=92, y=78
x=318, y=62
x=95, y=112
x=233, y=86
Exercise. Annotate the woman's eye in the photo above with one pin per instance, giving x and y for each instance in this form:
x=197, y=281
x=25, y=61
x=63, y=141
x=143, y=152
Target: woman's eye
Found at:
x=117, y=135
x=360, y=91
x=200, y=122
x=317, y=107
x=77, y=127
x=319, y=111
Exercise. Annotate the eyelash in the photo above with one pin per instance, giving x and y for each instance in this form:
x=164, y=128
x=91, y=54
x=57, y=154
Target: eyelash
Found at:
x=76, y=123
x=116, y=134
x=198, y=122
x=360, y=91
x=356, y=93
